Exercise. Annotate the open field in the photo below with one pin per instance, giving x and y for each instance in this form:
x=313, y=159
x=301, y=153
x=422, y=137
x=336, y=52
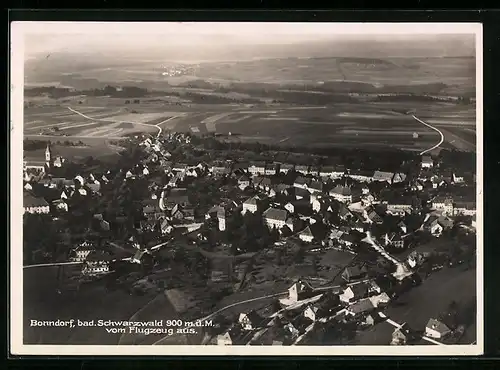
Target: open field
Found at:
x=43, y=303
x=441, y=288
x=374, y=124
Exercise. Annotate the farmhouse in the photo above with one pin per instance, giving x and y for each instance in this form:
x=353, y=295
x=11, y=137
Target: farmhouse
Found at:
x=436, y=329
x=33, y=204
x=302, y=182
x=316, y=187
x=251, y=320
x=286, y=167
x=81, y=252
x=271, y=169
x=257, y=168
x=464, y=208
x=253, y=204
x=314, y=232
x=231, y=337
x=302, y=169
x=275, y=218
x=444, y=204
x=427, y=162
x=345, y=194
x=353, y=273
x=359, y=308
x=402, y=335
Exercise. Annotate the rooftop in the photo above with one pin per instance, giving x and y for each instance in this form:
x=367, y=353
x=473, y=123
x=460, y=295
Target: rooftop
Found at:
x=275, y=214
x=30, y=200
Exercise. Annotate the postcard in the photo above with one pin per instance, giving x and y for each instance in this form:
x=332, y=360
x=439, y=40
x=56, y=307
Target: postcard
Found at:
x=246, y=189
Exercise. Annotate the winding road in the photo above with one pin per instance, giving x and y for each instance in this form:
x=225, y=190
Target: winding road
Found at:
x=433, y=128
x=115, y=121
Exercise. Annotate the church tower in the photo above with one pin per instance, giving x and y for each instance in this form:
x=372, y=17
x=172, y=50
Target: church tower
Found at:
x=48, y=155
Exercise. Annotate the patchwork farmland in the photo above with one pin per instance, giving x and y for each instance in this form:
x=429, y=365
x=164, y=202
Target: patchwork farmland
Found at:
x=374, y=125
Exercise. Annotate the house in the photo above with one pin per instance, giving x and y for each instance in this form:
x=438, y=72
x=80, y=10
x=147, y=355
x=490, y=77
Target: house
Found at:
x=93, y=268
x=372, y=217
x=382, y=176
x=361, y=175
x=464, y=208
x=437, y=225
x=394, y=239
x=302, y=169
x=353, y=272
x=82, y=251
x=293, y=223
x=398, y=178
x=427, y=162
x=372, y=319
x=166, y=227
x=345, y=194
x=400, y=205
x=33, y=204
x=231, y=337
x=253, y=204
x=381, y=299
x=285, y=168
x=327, y=171
x=436, y=329
x=256, y=180
x=344, y=212
x=243, y=182
x=257, y=168
x=152, y=211
x=360, y=307
x=138, y=256
x=251, y=320
x=96, y=263
x=311, y=312
x=402, y=335
x=302, y=182
x=271, y=169
x=355, y=292
x=315, y=232
x=60, y=205
x=316, y=187
x=348, y=239
x=275, y=218
x=444, y=204
x=298, y=292
x=175, y=197
x=301, y=193
x=220, y=169
x=457, y=179
x=324, y=204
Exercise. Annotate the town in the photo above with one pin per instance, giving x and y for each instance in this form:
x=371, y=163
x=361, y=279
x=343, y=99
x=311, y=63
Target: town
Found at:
x=322, y=248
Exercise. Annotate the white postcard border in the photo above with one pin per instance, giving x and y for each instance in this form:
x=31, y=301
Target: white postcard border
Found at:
x=17, y=31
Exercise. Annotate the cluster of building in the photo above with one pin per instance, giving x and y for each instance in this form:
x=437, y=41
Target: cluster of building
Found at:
x=361, y=302
x=324, y=206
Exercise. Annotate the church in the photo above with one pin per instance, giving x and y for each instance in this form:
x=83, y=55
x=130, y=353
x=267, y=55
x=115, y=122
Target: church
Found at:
x=40, y=167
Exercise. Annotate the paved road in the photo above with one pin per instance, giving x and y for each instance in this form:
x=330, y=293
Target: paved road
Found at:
x=52, y=264
x=116, y=121
x=435, y=129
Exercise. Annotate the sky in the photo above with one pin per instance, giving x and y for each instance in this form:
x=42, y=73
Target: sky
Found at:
x=95, y=36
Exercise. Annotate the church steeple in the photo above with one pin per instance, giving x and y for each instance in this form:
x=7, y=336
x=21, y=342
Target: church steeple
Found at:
x=48, y=154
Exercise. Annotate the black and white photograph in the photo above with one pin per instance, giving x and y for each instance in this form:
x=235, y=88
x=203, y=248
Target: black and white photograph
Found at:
x=245, y=188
